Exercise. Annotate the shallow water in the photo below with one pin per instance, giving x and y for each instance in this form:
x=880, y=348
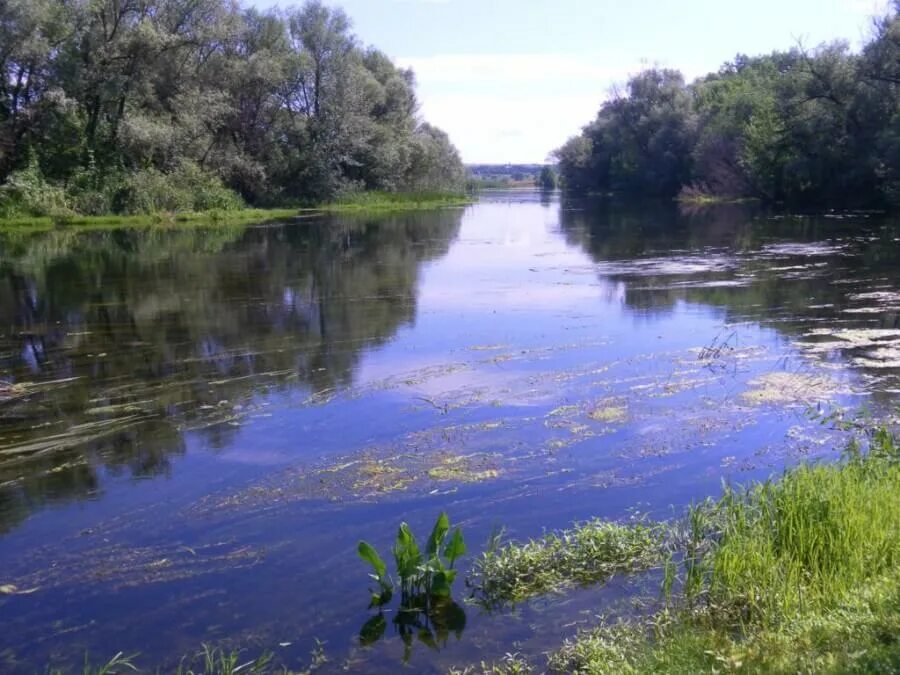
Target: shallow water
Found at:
x=198, y=425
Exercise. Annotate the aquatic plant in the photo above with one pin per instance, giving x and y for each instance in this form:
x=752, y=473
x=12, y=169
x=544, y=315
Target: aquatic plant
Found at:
x=588, y=553
x=425, y=578
x=510, y=664
x=209, y=660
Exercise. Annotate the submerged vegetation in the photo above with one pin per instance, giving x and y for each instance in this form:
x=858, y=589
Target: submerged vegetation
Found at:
x=791, y=575
x=809, y=128
x=182, y=106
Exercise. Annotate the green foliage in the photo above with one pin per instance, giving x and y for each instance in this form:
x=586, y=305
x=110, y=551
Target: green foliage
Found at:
x=395, y=201
x=794, y=575
x=277, y=107
x=385, y=586
x=588, y=553
x=426, y=579
x=217, y=661
x=27, y=193
x=806, y=128
x=421, y=577
x=188, y=188
x=548, y=179
x=510, y=664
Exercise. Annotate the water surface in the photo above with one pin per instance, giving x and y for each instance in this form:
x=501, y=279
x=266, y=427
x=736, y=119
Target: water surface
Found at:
x=199, y=424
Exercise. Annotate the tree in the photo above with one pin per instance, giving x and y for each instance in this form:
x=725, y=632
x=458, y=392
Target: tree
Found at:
x=547, y=178
x=117, y=96
x=804, y=127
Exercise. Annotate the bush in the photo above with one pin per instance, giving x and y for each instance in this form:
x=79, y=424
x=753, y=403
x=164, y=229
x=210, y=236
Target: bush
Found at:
x=27, y=193
x=188, y=188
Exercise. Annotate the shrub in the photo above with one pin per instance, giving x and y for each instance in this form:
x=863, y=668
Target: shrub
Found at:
x=188, y=188
x=27, y=193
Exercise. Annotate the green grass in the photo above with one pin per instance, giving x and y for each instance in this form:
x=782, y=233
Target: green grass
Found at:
x=858, y=633
x=396, y=201
x=801, y=574
x=361, y=202
x=152, y=220
x=588, y=553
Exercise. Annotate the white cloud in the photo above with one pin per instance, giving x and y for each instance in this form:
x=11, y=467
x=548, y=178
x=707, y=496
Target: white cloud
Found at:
x=514, y=107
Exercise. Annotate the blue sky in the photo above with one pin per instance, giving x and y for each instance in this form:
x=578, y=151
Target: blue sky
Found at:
x=510, y=80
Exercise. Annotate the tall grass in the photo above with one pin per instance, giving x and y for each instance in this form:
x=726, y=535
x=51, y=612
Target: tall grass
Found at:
x=804, y=540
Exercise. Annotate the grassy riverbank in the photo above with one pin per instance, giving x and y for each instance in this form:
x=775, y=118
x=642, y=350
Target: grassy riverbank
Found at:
x=794, y=575
x=357, y=203
x=396, y=201
x=202, y=218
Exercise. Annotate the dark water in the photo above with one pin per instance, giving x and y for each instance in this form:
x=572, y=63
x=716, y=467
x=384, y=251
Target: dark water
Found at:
x=198, y=425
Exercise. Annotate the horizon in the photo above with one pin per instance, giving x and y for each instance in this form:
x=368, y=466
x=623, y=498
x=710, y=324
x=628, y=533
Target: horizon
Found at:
x=514, y=96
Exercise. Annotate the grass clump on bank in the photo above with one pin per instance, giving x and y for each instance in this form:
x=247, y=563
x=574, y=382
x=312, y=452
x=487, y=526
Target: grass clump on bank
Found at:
x=586, y=554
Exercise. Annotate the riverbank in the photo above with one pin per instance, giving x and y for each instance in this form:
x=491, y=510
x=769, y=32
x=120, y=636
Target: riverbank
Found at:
x=363, y=202
x=395, y=201
x=793, y=575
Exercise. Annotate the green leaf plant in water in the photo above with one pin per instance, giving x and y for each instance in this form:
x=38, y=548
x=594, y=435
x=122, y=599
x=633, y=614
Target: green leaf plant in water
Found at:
x=427, y=610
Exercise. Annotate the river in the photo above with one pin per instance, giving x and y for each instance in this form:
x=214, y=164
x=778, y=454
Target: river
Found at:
x=199, y=424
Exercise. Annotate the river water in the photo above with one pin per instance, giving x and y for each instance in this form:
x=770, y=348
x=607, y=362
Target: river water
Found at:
x=199, y=424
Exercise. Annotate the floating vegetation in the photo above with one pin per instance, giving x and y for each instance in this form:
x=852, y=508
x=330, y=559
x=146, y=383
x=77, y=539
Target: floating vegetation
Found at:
x=461, y=469
x=790, y=389
x=361, y=477
x=122, y=566
x=883, y=357
x=75, y=435
x=610, y=414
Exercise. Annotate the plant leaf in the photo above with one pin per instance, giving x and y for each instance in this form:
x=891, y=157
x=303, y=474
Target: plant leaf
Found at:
x=456, y=547
x=441, y=527
x=441, y=582
x=368, y=553
x=406, y=553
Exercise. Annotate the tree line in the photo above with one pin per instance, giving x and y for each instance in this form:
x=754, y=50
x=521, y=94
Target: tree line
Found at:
x=799, y=127
x=133, y=106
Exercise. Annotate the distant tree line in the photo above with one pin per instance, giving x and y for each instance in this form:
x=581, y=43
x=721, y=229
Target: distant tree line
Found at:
x=806, y=128
x=145, y=105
